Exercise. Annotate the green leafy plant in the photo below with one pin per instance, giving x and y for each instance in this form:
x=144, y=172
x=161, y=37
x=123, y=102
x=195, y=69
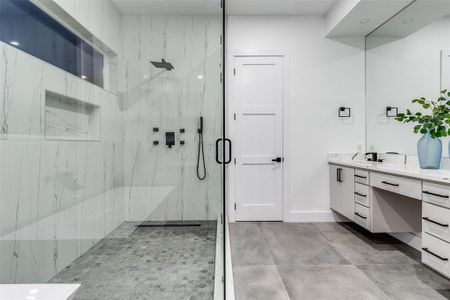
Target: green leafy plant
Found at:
x=435, y=119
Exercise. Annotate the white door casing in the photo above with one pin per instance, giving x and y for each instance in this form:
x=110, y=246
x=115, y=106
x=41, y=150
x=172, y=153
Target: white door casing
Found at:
x=257, y=96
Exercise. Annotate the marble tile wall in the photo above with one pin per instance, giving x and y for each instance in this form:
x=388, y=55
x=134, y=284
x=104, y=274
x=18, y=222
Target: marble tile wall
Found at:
x=161, y=183
x=57, y=198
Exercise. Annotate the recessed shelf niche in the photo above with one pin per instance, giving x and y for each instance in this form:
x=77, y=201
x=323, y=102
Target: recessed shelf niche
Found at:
x=71, y=119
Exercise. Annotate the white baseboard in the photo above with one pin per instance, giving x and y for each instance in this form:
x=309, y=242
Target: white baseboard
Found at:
x=409, y=239
x=313, y=216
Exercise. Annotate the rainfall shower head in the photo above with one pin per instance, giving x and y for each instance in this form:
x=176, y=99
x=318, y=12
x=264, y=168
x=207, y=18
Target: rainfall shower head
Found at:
x=163, y=64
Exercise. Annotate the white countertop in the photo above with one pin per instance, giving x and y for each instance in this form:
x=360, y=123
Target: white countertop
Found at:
x=406, y=170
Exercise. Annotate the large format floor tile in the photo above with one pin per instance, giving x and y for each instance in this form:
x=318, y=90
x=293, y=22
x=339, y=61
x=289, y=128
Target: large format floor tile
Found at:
x=328, y=282
x=294, y=246
x=330, y=226
x=328, y=261
x=259, y=283
x=359, y=251
x=408, y=281
x=248, y=245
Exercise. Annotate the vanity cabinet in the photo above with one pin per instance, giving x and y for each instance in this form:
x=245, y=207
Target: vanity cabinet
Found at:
x=399, y=185
x=386, y=202
x=436, y=227
x=342, y=190
x=362, y=199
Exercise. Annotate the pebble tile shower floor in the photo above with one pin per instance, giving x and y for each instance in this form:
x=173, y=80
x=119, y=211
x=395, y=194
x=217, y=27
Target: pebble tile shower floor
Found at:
x=147, y=263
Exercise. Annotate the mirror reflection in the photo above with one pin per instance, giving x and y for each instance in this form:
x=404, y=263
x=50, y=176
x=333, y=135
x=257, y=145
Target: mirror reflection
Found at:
x=407, y=58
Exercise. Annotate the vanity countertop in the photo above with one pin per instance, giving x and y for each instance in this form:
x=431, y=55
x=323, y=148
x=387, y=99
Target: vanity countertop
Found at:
x=406, y=170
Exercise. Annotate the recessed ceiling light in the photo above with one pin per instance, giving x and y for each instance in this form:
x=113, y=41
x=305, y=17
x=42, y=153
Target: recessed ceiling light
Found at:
x=408, y=21
x=83, y=76
x=200, y=76
x=364, y=21
x=15, y=43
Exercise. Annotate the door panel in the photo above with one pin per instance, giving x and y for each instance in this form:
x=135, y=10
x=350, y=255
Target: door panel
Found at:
x=258, y=101
x=342, y=190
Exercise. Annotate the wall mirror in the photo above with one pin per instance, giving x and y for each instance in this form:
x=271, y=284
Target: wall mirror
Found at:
x=406, y=58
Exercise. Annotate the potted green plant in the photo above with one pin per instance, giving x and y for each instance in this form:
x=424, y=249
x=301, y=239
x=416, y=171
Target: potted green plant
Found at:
x=433, y=123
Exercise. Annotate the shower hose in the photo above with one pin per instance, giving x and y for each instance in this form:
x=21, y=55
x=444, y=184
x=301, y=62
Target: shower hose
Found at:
x=201, y=153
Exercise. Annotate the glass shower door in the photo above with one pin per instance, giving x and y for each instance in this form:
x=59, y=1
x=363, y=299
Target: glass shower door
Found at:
x=116, y=185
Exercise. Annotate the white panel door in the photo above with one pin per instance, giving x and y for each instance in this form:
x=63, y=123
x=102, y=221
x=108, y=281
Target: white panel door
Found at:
x=258, y=102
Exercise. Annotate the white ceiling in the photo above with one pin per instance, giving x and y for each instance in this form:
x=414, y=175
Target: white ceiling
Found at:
x=233, y=7
x=169, y=7
x=366, y=16
x=279, y=7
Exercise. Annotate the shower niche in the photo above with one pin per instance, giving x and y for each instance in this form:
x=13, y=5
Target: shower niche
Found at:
x=71, y=119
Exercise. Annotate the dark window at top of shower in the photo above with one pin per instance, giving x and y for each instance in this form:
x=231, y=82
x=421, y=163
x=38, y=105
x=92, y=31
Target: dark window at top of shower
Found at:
x=26, y=27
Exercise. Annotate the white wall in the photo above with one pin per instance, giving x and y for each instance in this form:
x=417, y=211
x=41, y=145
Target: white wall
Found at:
x=397, y=72
x=324, y=75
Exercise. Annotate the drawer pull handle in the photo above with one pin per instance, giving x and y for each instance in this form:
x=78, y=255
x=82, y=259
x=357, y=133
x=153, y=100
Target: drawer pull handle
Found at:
x=390, y=183
x=359, y=176
x=434, y=194
x=434, y=222
x=358, y=215
x=339, y=174
x=434, y=254
x=362, y=195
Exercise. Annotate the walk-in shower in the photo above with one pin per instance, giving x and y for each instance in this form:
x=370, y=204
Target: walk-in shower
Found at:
x=98, y=137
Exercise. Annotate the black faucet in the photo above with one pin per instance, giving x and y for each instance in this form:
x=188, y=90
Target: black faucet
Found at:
x=371, y=156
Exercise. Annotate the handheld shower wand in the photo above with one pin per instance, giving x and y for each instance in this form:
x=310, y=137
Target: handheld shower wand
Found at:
x=201, y=152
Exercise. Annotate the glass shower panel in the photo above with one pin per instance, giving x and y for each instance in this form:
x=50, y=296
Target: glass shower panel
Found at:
x=162, y=179
x=119, y=191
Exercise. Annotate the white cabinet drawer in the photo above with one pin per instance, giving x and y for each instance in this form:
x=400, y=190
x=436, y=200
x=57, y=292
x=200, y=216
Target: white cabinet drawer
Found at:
x=362, y=176
x=400, y=185
x=436, y=194
x=362, y=194
x=435, y=253
x=362, y=216
x=435, y=221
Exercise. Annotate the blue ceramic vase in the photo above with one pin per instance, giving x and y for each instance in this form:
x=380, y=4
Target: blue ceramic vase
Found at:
x=429, y=151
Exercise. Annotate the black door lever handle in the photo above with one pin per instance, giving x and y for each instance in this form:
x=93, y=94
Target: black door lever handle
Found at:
x=278, y=159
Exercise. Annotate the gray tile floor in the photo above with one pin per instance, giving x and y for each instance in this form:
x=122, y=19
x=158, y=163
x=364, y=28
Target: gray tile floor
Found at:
x=147, y=263
x=327, y=261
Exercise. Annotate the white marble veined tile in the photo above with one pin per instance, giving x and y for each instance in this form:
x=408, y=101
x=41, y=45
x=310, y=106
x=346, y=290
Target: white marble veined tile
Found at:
x=170, y=101
x=57, y=198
